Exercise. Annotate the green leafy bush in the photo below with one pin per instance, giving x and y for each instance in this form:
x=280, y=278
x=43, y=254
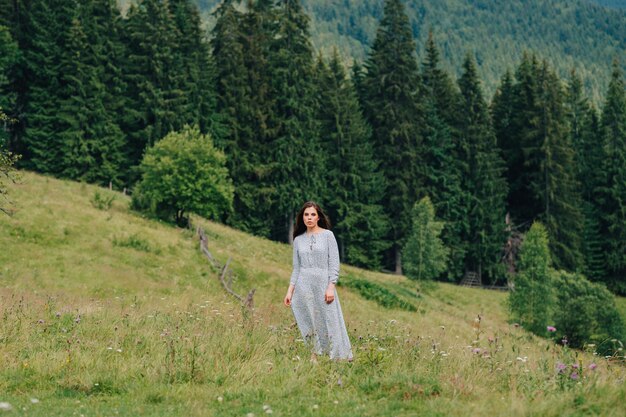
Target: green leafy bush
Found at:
x=585, y=312
x=377, y=293
x=184, y=173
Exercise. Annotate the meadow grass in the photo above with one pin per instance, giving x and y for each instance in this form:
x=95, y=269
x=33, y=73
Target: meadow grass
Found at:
x=106, y=313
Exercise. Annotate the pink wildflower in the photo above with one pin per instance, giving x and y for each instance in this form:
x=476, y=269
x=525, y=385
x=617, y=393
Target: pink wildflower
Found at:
x=551, y=329
x=592, y=366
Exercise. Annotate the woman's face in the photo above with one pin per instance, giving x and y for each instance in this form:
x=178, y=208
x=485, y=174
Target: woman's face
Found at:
x=310, y=217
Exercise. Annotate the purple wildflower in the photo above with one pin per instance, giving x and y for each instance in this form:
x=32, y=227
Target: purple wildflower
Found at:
x=574, y=375
x=592, y=366
x=551, y=329
x=476, y=350
x=561, y=367
x=575, y=366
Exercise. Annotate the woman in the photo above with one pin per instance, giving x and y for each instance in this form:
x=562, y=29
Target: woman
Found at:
x=311, y=294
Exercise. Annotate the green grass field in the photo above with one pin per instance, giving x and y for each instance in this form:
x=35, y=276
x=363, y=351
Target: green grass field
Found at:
x=106, y=313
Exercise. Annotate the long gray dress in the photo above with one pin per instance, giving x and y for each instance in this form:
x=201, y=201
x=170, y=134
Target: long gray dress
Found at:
x=315, y=264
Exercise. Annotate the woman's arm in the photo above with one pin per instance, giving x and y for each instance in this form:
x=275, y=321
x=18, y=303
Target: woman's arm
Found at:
x=333, y=268
x=294, y=275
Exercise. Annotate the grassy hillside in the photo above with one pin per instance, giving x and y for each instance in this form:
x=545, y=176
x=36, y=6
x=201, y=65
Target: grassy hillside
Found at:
x=104, y=312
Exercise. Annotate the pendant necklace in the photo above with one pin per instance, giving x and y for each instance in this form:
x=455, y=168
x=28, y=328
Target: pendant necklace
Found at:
x=311, y=241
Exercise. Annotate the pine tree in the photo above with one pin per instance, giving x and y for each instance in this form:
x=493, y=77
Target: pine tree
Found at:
x=392, y=108
x=354, y=190
x=296, y=161
x=483, y=181
x=445, y=158
x=612, y=192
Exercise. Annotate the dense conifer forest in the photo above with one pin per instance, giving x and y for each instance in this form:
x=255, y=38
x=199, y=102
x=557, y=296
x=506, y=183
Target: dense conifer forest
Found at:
x=569, y=33
x=88, y=90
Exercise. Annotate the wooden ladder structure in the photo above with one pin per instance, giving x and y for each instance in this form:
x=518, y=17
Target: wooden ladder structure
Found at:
x=471, y=280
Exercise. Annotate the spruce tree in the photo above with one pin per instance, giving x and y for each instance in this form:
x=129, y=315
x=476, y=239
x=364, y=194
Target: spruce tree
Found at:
x=502, y=115
x=91, y=142
x=553, y=177
x=260, y=25
x=612, y=192
x=583, y=122
x=531, y=298
x=156, y=101
x=233, y=97
x=542, y=176
x=483, y=181
x=425, y=255
x=523, y=132
x=49, y=22
x=9, y=55
x=297, y=165
x=193, y=60
x=241, y=46
x=14, y=16
x=391, y=105
x=354, y=186
x=445, y=158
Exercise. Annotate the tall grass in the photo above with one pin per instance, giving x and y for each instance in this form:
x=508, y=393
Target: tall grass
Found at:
x=93, y=327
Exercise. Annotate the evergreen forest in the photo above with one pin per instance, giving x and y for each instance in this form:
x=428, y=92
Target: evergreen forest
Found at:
x=585, y=34
x=89, y=91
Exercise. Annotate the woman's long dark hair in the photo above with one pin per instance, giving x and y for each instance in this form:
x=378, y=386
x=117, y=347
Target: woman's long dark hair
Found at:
x=301, y=227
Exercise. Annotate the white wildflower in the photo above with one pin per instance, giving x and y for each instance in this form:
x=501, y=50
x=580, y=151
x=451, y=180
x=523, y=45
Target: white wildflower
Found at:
x=5, y=406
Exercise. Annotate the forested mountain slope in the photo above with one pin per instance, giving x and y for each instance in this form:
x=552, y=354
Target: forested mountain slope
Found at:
x=569, y=33
x=619, y=4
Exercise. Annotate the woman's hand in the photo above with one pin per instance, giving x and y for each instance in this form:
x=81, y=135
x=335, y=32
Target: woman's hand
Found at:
x=329, y=297
x=287, y=300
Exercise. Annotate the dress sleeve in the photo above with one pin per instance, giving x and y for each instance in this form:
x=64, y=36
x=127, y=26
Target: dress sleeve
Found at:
x=333, y=259
x=296, y=265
